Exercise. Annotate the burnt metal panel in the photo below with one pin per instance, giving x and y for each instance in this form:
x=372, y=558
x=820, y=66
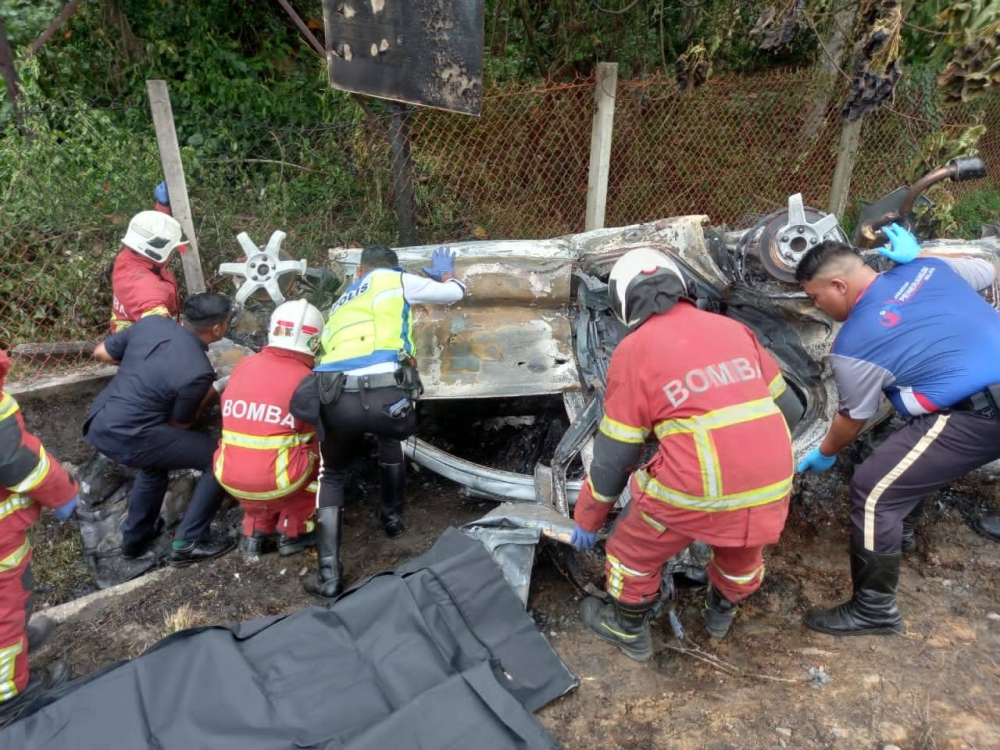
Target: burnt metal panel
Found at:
x=427, y=52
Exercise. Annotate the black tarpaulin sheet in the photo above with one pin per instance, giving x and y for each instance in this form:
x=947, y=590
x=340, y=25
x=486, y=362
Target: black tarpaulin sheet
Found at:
x=438, y=654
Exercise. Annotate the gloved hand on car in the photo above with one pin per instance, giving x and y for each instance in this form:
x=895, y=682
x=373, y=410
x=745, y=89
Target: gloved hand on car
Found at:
x=816, y=461
x=903, y=246
x=583, y=539
x=442, y=262
x=161, y=195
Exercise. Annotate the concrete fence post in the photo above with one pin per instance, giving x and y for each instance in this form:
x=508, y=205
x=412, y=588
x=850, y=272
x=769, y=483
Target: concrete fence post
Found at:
x=600, y=144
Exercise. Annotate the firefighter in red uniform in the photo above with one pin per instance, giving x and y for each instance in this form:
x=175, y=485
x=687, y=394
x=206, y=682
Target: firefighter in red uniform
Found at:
x=712, y=396
x=268, y=459
x=140, y=280
x=29, y=479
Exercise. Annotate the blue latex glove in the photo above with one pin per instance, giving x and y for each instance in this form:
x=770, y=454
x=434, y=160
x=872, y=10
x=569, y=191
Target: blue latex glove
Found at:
x=65, y=511
x=161, y=195
x=903, y=246
x=583, y=539
x=442, y=262
x=815, y=461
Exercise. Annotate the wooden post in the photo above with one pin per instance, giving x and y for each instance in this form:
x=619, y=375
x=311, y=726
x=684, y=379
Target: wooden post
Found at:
x=173, y=171
x=402, y=174
x=600, y=144
x=847, y=152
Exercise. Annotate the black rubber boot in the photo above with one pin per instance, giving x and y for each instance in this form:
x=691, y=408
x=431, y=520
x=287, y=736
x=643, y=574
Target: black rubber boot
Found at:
x=872, y=609
x=326, y=581
x=257, y=544
x=624, y=625
x=392, y=485
x=719, y=613
x=39, y=683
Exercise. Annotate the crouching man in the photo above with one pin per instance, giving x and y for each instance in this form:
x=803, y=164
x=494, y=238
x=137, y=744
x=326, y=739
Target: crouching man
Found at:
x=712, y=396
x=268, y=459
x=29, y=479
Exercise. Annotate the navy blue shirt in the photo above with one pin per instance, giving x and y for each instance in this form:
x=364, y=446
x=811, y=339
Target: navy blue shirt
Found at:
x=164, y=375
x=921, y=335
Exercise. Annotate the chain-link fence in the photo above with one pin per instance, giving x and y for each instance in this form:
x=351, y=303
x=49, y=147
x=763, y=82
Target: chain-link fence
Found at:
x=733, y=149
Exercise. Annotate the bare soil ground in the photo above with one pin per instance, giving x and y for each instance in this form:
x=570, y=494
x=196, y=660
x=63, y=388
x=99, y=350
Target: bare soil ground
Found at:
x=935, y=687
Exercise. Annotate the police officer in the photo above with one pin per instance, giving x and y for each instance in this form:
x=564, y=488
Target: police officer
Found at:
x=143, y=419
x=366, y=382
x=920, y=334
x=713, y=398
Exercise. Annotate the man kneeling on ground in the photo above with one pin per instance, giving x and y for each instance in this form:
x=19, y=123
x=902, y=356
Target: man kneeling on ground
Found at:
x=143, y=419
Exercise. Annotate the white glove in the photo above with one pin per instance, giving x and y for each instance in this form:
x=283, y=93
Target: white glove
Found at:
x=220, y=384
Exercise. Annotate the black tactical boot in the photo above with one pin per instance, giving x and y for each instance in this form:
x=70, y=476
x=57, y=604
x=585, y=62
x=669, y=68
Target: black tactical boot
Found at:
x=624, y=625
x=326, y=581
x=291, y=545
x=39, y=683
x=392, y=484
x=719, y=613
x=257, y=544
x=872, y=609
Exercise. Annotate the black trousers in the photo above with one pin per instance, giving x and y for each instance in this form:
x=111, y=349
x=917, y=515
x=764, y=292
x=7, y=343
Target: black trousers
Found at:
x=346, y=422
x=161, y=449
x=928, y=453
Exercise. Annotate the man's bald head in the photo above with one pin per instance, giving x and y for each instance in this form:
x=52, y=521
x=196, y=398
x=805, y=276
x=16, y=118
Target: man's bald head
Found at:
x=834, y=276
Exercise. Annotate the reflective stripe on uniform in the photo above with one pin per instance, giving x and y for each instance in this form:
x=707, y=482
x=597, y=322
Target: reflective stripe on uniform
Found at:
x=617, y=574
x=895, y=473
x=16, y=557
x=284, y=486
x=8, y=659
x=158, y=310
x=603, y=499
x=741, y=580
x=8, y=406
x=37, y=475
x=700, y=428
x=761, y=496
x=13, y=504
x=777, y=386
x=623, y=433
x=656, y=525
x=265, y=442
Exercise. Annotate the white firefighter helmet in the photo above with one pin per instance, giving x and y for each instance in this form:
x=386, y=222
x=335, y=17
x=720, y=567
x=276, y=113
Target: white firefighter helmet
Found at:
x=153, y=235
x=295, y=325
x=643, y=282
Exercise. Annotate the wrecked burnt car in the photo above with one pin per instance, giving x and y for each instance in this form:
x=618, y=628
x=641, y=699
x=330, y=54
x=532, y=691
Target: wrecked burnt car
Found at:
x=535, y=321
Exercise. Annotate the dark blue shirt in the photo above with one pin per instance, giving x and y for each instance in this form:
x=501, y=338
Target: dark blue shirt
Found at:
x=164, y=375
x=920, y=334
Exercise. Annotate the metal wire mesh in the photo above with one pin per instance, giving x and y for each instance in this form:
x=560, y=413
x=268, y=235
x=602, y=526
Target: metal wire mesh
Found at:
x=734, y=149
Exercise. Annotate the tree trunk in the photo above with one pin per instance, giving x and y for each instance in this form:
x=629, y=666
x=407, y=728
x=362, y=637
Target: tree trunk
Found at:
x=9, y=73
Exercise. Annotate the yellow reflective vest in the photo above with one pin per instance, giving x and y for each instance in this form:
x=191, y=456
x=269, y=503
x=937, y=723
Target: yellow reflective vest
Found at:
x=370, y=324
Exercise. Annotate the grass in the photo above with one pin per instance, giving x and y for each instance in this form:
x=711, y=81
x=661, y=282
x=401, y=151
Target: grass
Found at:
x=58, y=563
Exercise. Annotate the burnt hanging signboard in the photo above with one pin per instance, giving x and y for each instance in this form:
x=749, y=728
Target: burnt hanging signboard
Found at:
x=427, y=52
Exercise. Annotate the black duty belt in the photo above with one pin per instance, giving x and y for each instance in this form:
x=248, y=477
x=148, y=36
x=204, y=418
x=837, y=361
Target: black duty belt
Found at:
x=367, y=382
x=984, y=401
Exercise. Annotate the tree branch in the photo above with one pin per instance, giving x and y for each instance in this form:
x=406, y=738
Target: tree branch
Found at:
x=53, y=27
